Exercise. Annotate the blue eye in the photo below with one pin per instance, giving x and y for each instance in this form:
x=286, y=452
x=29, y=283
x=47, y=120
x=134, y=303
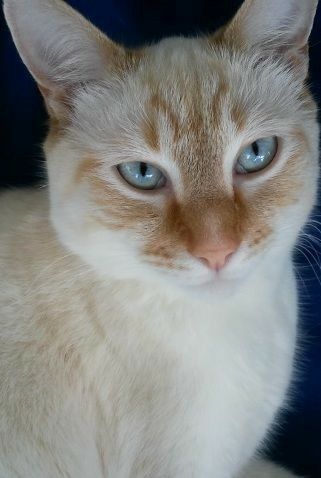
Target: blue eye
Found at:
x=142, y=175
x=257, y=155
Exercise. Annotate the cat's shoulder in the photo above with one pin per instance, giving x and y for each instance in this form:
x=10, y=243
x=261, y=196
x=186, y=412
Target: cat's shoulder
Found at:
x=25, y=232
x=20, y=206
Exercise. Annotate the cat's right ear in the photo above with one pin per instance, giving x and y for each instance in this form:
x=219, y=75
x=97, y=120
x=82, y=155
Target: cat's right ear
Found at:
x=280, y=27
x=61, y=48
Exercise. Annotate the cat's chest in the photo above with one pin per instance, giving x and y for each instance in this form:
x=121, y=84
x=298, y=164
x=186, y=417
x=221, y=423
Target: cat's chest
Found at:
x=159, y=345
x=195, y=377
x=205, y=339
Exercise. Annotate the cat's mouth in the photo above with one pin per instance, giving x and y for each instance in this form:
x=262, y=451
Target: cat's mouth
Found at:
x=194, y=274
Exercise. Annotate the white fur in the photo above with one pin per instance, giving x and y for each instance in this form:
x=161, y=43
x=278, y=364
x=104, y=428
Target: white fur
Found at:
x=111, y=366
x=165, y=385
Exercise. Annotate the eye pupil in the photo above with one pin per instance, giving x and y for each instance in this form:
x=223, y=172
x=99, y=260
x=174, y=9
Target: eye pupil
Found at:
x=142, y=175
x=143, y=169
x=257, y=155
x=255, y=148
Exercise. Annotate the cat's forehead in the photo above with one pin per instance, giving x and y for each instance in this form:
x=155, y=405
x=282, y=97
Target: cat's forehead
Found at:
x=194, y=72
x=201, y=99
x=189, y=101
x=188, y=122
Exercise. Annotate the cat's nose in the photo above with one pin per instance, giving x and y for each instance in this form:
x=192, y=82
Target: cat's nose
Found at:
x=216, y=257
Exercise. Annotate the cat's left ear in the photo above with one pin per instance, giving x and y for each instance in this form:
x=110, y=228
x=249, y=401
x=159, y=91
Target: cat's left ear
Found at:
x=62, y=49
x=281, y=27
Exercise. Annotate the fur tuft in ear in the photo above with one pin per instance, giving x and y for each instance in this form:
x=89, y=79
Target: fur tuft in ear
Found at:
x=60, y=47
x=281, y=26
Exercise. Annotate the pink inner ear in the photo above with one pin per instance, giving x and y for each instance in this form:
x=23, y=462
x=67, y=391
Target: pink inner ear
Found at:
x=275, y=22
x=58, y=45
x=58, y=101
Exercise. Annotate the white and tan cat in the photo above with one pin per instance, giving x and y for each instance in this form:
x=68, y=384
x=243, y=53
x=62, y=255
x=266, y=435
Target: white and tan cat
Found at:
x=148, y=303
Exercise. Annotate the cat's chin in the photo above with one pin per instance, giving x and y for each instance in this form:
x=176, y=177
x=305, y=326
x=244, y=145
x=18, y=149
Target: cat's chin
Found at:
x=211, y=285
x=211, y=291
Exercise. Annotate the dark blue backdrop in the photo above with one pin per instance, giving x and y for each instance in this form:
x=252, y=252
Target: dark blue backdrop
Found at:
x=133, y=22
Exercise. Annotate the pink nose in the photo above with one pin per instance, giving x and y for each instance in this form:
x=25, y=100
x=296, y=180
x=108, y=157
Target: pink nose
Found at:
x=215, y=257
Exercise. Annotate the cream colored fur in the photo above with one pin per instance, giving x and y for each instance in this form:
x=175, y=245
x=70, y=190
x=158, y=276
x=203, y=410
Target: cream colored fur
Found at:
x=106, y=378
x=111, y=366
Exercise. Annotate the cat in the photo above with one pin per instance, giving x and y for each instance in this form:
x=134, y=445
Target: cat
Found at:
x=148, y=302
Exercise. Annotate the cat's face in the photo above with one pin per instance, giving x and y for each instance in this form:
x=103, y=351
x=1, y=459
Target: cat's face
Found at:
x=191, y=161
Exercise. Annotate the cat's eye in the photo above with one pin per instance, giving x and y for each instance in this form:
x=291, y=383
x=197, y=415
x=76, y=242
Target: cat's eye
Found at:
x=257, y=155
x=142, y=175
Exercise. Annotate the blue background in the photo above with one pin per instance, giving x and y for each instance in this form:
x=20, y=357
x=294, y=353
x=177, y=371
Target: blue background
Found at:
x=133, y=22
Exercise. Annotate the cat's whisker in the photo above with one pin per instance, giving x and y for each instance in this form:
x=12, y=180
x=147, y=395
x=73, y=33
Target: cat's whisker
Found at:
x=315, y=228
x=314, y=255
x=310, y=241
x=314, y=221
x=307, y=236
x=305, y=252
x=302, y=280
x=313, y=243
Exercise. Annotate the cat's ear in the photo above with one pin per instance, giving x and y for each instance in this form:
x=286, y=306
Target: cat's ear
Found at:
x=60, y=48
x=282, y=26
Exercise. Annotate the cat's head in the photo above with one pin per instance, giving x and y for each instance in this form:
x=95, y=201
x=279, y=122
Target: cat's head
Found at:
x=191, y=160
